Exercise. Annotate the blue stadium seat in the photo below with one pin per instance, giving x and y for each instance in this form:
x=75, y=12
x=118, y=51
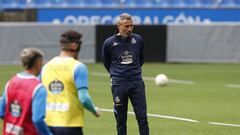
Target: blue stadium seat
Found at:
x=10, y=3
x=40, y=2
x=168, y=3
x=207, y=3
x=75, y=2
x=142, y=2
x=129, y=2
x=115, y=3
x=91, y=2
x=176, y=3
x=237, y=2
x=137, y=3
x=227, y=3
x=192, y=3
x=57, y=2
x=159, y=3
x=110, y=2
x=22, y=3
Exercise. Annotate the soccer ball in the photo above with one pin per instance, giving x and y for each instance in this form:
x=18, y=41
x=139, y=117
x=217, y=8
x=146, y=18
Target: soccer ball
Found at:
x=161, y=80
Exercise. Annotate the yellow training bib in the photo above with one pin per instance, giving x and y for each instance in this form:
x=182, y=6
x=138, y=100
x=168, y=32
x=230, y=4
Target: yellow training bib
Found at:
x=63, y=106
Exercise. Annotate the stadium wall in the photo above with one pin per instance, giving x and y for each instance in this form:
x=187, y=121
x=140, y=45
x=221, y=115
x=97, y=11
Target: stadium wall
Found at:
x=218, y=43
x=213, y=43
x=16, y=36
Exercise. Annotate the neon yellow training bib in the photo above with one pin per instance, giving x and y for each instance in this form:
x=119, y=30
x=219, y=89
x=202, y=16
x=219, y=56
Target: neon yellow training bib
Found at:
x=63, y=106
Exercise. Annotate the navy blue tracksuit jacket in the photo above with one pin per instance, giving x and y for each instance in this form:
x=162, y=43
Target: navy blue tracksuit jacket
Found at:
x=123, y=59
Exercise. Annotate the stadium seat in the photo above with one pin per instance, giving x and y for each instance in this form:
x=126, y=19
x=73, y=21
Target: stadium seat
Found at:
x=168, y=3
x=91, y=2
x=21, y=3
x=237, y=2
x=192, y=3
x=57, y=2
x=175, y=2
x=115, y=3
x=110, y=2
x=40, y=2
x=12, y=3
x=159, y=3
x=142, y=2
x=129, y=2
x=207, y=3
x=226, y=3
x=9, y=3
x=136, y=3
x=74, y=2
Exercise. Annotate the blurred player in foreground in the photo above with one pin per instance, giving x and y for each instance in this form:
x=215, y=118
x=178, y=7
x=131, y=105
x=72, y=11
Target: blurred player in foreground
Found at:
x=123, y=59
x=66, y=80
x=24, y=98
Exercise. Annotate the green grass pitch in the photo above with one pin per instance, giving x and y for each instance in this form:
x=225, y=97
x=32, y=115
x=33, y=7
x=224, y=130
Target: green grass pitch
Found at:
x=214, y=96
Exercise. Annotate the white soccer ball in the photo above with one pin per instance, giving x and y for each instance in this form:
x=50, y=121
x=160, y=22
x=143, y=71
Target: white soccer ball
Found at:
x=161, y=80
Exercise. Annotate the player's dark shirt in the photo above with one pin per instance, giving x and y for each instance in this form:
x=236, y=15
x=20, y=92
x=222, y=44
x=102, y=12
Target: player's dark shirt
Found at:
x=123, y=58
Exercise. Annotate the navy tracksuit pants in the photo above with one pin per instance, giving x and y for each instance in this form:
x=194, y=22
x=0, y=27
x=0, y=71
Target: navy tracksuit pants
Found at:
x=136, y=93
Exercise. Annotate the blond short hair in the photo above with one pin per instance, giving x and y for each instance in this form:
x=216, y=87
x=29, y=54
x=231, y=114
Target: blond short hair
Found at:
x=29, y=56
x=123, y=16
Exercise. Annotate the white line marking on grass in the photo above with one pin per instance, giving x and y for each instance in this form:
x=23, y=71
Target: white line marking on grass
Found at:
x=149, y=78
x=181, y=81
x=224, y=124
x=172, y=117
x=156, y=115
x=170, y=80
x=233, y=85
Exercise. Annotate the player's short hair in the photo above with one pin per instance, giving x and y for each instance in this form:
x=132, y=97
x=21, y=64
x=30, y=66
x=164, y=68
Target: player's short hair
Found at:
x=29, y=56
x=70, y=36
x=123, y=16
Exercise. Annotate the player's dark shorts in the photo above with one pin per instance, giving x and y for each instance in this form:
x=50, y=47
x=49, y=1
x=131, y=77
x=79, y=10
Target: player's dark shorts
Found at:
x=66, y=130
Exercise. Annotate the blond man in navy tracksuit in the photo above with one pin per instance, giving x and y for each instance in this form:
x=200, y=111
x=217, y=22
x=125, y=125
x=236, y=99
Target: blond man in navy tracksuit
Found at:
x=123, y=58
